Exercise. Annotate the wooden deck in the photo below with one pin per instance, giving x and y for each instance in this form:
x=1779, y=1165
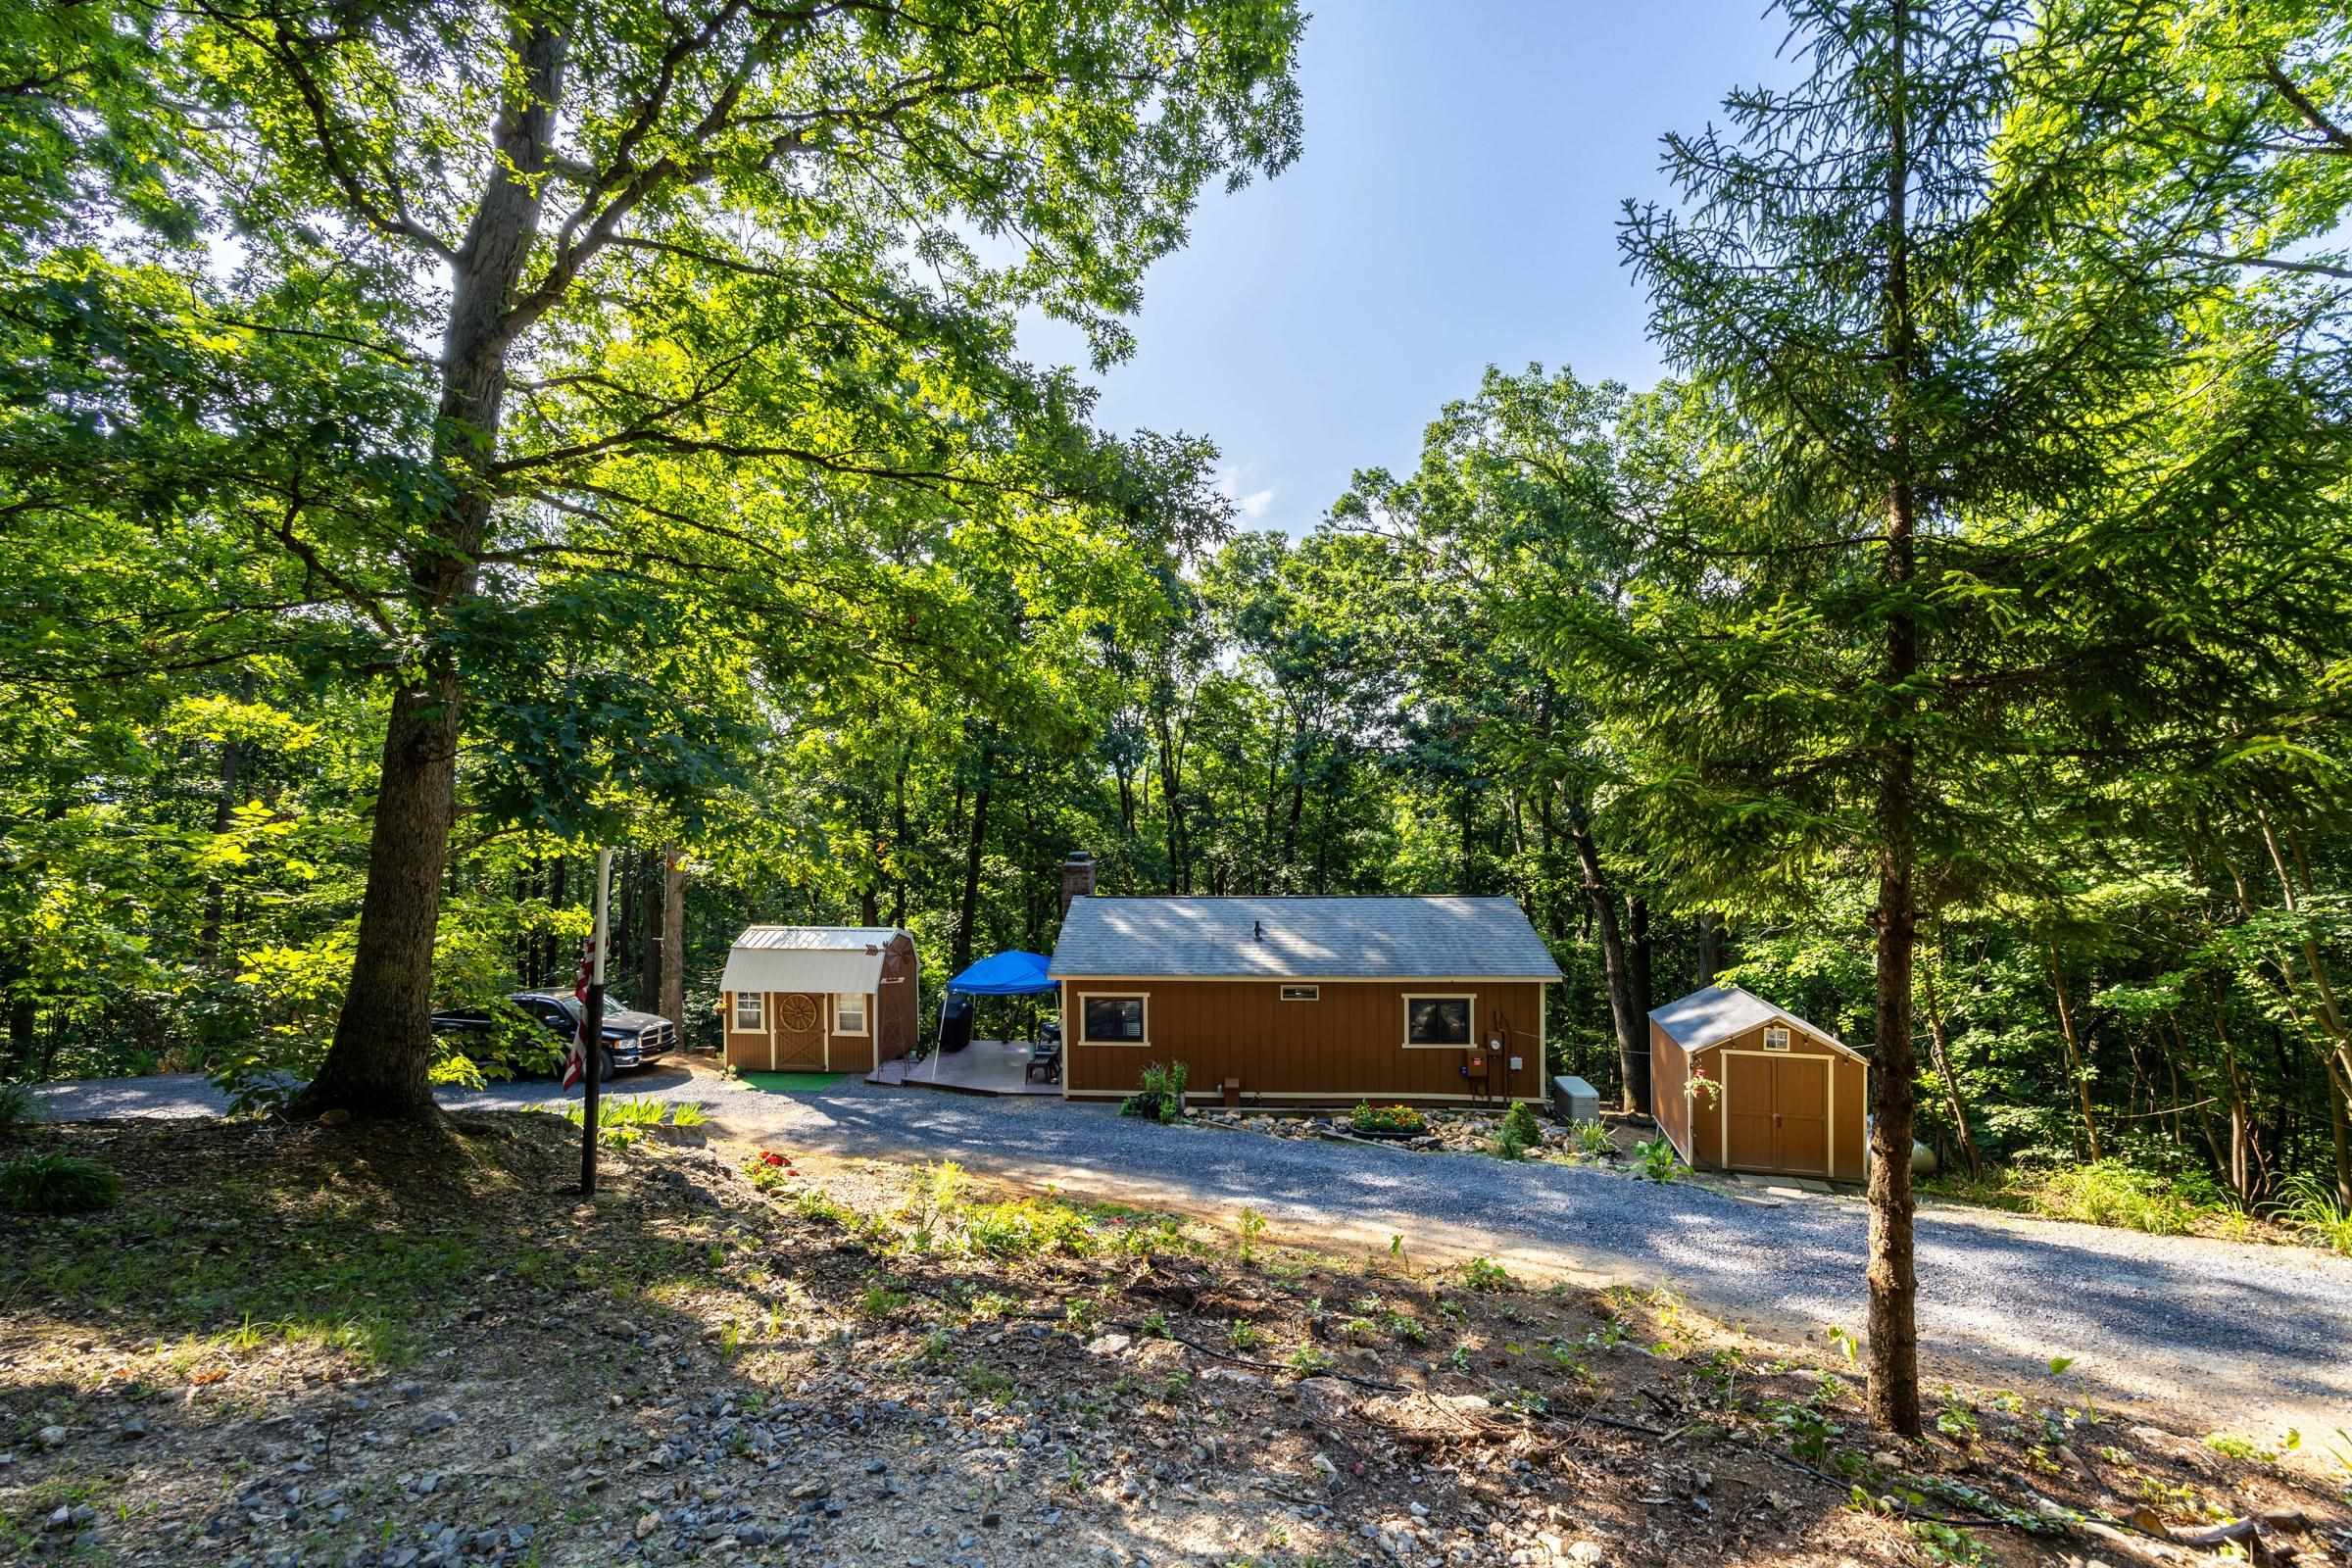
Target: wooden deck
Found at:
x=983, y=1068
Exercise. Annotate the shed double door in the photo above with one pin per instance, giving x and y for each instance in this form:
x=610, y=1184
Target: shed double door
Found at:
x=800, y=1032
x=1776, y=1112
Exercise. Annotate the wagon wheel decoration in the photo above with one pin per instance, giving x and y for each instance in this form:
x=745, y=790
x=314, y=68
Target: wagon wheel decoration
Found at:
x=797, y=1013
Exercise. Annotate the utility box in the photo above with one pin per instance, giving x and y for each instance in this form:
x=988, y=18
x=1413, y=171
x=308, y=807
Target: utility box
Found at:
x=1573, y=1099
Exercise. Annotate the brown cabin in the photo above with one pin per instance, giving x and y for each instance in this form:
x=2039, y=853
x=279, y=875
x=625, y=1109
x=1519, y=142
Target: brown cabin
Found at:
x=1737, y=1084
x=1304, y=1001
x=819, y=998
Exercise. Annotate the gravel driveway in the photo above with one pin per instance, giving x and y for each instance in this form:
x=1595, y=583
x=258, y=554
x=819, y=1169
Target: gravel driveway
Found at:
x=2256, y=1336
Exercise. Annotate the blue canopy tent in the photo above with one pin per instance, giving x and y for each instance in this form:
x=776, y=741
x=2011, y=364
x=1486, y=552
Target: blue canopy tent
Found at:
x=1005, y=974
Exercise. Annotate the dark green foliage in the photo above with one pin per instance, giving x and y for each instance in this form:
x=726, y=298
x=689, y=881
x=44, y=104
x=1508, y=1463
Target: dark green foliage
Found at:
x=51, y=1182
x=1519, y=1132
x=1159, y=1093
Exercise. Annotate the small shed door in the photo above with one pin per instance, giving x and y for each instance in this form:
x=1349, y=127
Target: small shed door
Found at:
x=800, y=1032
x=1777, y=1113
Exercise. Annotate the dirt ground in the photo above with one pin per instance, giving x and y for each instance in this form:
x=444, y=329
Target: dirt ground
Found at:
x=348, y=1346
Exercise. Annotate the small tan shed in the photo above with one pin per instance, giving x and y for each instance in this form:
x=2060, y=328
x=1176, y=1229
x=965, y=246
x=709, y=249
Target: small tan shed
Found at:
x=1739, y=1083
x=819, y=998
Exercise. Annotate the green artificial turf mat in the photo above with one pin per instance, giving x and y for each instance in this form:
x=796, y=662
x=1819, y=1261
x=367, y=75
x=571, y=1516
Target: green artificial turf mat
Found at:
x=792, y=1083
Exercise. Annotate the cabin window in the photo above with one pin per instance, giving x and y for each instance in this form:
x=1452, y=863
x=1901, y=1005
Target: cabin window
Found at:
x=1301, y=992
x=1440, y=1024
x=1776, y=1037
x=849, y=1014
x=748, y=1017
x=1112, y=1020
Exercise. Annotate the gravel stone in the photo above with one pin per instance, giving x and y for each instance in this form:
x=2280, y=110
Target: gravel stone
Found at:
x=1797, y=1263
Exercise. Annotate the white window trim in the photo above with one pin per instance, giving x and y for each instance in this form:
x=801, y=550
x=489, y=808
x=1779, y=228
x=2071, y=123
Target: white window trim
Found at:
x=1406, y=1019
x=758, y=1023
x=865, y=1020
x=1286, y=993
x=1780, y=1029
x=1143, y=997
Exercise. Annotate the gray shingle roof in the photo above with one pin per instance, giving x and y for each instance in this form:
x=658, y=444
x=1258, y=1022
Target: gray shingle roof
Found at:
x=1303, y=938
x=1713, y=1015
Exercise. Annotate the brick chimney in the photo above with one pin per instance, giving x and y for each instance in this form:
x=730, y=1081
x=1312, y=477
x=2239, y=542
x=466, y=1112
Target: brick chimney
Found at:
x=1077, y=878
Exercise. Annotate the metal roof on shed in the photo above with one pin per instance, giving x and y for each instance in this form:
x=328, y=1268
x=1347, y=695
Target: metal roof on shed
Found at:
x=1301, y=938
x=1712, y=1015
x=808, y=957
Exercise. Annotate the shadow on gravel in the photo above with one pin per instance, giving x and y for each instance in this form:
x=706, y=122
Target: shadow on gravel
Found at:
x=2178, y=1319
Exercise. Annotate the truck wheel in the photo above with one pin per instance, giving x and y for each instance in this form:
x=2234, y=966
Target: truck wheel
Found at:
x=603, y=1066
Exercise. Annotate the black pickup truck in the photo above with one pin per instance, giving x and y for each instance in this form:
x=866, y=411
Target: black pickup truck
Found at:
x=632, y=1039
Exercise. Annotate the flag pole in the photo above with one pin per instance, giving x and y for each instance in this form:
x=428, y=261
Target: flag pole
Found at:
x=592, y=1026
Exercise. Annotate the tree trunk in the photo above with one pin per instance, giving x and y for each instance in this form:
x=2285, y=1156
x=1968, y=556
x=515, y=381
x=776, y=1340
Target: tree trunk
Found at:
x=1639, y=952
x=1632, y=1037
x=224, y=812
x=1894, y=1326
x=2074, y=1055
x=22, y=1018
x=1941, y=1047
x=382, y=1050
x=968, y=912
x=673, y=938
x=1710, y=946
x=898, y=846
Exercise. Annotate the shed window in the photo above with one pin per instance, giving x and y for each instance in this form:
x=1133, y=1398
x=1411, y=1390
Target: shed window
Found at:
x=1301, y=992
x=1438, y=1022
x=748, y=1017
x=849, y=1014
x=1112, y=1020
x=1776, y=1037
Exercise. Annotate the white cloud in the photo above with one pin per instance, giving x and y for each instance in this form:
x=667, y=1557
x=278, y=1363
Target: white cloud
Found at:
x=1253, y=505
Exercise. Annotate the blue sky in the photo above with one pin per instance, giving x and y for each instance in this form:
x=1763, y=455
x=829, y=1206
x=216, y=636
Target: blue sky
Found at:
x=1456, y=207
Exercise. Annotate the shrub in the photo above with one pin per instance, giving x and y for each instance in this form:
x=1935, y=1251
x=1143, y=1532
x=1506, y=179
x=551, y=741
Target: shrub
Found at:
x=2108, y=1191
x=1395, y=1120
x=2306, y=1203
x=1519, y=1133
x=16, y=1106
x=1657, y=1158
x=51, y=1182
x=1593, y=1139
x=1158, y=1093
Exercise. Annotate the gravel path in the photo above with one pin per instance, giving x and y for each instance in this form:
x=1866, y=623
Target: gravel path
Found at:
x=2256, y=1336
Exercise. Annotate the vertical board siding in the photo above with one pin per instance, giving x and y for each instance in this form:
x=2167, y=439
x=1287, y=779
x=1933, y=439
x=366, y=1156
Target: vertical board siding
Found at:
x=1848, y=1080
x=897, y=1009
x=1346, y=1044
x=1669, y=1079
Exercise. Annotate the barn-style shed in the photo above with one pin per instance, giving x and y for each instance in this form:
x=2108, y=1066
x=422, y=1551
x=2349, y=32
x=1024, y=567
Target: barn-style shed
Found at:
x=1304, y=1001
x=819, y=998
x=1788, y=1098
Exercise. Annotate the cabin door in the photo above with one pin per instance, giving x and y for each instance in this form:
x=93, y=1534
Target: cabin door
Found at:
x=800, y=1032
x=1776, y=1112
